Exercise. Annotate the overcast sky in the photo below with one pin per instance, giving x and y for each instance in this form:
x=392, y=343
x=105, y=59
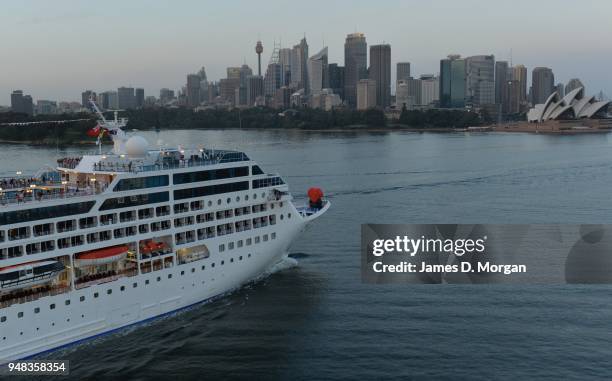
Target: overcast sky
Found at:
x=56, y=49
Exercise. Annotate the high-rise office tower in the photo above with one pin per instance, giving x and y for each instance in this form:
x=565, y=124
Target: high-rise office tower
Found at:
x=139, y=97
x=193, y=90
x=203, y=85
x=22, y=103
x=86, y=96
x=318, y=72
x=380, y=71
x=336, y=79
x=366, y=94
x=272, y=80
x=560, y=89
x=255, y=89
x=430, y=89
x=299, y=62
x=480, y=80
x=452, y=82
x=501, y=82
x=126, y=98
x=519, y=73
x=166, y=96
x=355, y=65
x=284, y=59
x=542, y=84
x=573, y=84
x=513, y=90
x=402, y=70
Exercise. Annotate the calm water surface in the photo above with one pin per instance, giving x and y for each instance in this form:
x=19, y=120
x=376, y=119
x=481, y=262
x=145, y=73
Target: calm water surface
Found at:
x=315, y=320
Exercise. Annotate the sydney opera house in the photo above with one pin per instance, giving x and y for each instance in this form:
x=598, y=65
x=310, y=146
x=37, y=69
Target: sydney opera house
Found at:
x=573, y=106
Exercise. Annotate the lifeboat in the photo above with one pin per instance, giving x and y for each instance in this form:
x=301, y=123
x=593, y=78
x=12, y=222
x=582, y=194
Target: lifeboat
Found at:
x=29, y=274
x=101, y=256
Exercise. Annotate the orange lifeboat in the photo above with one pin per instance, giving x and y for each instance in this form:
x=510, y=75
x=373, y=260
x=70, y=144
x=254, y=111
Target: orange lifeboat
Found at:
x=102, y=256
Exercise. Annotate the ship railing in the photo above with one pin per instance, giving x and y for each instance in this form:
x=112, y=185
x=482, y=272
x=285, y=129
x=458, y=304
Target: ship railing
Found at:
x=208, y=157
x=34, y=296
x=110, y=278
x=34, y=197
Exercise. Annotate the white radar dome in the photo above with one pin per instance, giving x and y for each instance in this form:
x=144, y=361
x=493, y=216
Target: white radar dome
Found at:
x=136, y=146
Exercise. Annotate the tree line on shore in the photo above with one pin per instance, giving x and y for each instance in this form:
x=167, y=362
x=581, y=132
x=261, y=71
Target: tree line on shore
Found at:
x=261, y=117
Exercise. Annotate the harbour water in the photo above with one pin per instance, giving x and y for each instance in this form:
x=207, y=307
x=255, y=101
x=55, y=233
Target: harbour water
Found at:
x=314, y=319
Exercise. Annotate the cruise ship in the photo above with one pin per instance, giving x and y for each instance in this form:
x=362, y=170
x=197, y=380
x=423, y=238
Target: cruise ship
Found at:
x=99, y=242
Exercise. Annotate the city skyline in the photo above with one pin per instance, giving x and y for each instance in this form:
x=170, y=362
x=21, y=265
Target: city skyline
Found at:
x=81, y=61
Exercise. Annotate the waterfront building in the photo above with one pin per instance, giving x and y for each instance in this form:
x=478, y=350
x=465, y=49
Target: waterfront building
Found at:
x=255, y=89
x=430, y=89
x=273, y=78
x=86, y=96
x=501, y=82
x=355, y=65
x=139, y=97
x=380, y=71
x=299, y=63
x=452, y=82
x=574, y=105
x=402, y=70
x=542, y=84
x=193, y=90
x=480, y=80
x=336, y=79
x=44, y=107
x=284, y=59
x=513, y=97
x=402, y=99
x=318, y=71
x=126, y=98
x=519, y=73
x=366, y=94
x=166, y=96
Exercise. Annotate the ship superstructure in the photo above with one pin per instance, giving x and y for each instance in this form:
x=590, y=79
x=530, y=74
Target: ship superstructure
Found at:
x=108, y=240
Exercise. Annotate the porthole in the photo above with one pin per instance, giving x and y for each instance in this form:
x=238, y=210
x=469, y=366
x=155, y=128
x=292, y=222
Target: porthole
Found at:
x=52, y=306
x=222, y=263
x=159, y=279
x=246, y=197
x=219, y=202
x=249, y=255
x=147, y=281
x=96, y=295
x=82, y=298
x=263, y=194
x=288, y=215
x=134, y=285
x=36, y=310
x=193, y=269
x=67, y=302
x=182, y=272
x=237, y=198
x=209, y=203
x=203, y=267
x=122, y=288
x=254, y=196
x=282, y=217
x=213, y=264
x=232, y=260
x=169, y=276
x=20, y=314
x=2, y=319
x=228, y=200
x=109, y=291
x=240, y=258
x=272, y=206
x=280, y=204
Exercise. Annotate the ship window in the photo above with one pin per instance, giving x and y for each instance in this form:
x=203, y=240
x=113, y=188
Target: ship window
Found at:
x=215, y=174
x=2, y=319
x=134, y=285
x=145, y=213
x=181, y=208
x=109, y=291
x=240, y=257
x=203, y=267
x=52, y=306
x=193, y=269
x=67, y=302
x=27, y=215
x=267, y=182
x=230, y=246
x=197, y=205
x=162, y=210
x=82, y=298
x=265, y=238
x=288, y=215
x=182, y=272
x=209, y=203
x=228, y=200
x=87, y=222
x=249, y=255
x=37, y=310
x=213, y=264
x=107, y=219
x=141, y=183
x=122, y=288
x=147, y=281
x=249, y=241
x=273, y=235
x=96, y=294
x=43, y=229
x=222, y=263
x=158, y=279
x=127, y=216
x=221, y=248
x=240, y=243
x=18, y=233
x=256, y=170
x=211, y=190
x=169, y=276
x=137, y=200
x=257, y=239
x=20, y=314
x=1, y=235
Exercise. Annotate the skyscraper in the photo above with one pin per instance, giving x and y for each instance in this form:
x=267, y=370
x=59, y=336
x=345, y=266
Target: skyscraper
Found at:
x=203, y=85
x=193, y=90
x=272, y=80
x=166, y=96
x=21, y=103
x=430, y=89
x=336, y=79
x=542, y=84
x=452, y=82
x=85, y=96
x=366, y=94
x=299, y=70
x=140, y=97
x=501, y=82
x=355, y=65
x=380, y=71
x=519, y=73
x=255, y=89
x=480, y=80
x=318, y=72
x=559, y=88
x=513, y=96
x=125, y=98
x=284, y=58
x=403, y=71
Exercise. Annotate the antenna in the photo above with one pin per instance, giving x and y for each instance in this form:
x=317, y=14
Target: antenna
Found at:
x=510, y=57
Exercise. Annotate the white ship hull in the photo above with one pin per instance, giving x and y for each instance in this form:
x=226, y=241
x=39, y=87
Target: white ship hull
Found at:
x=66, y=324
